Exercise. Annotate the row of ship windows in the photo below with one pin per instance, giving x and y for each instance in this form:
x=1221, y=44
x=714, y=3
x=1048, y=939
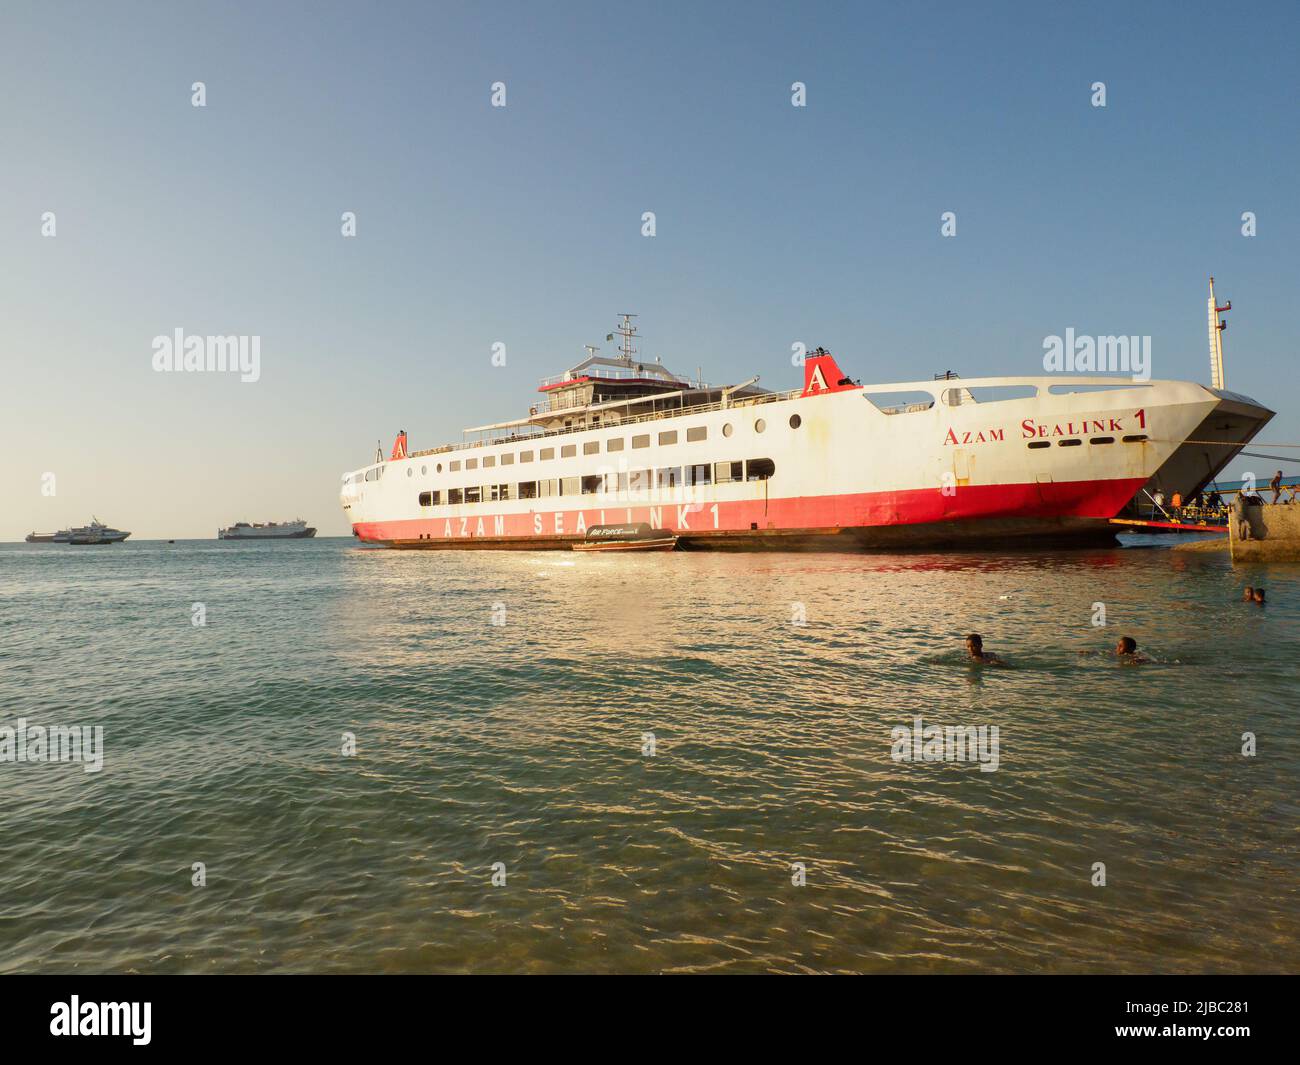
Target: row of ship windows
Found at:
x=1034, y=444
x=597, y=483
x=592, y=447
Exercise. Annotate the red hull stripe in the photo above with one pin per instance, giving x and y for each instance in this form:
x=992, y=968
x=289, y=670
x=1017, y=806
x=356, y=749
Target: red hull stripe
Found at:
x=1069, y=499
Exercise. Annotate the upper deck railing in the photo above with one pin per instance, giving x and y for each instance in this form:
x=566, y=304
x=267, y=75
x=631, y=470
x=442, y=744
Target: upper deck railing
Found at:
x=615, y=373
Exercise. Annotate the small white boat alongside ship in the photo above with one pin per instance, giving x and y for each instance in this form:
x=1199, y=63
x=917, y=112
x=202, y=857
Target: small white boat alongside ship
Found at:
x=637, y=537
x=271, y=530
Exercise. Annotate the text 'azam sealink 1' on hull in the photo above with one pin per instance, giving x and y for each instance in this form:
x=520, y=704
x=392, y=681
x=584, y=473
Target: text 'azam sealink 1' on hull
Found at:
x=1014, y=460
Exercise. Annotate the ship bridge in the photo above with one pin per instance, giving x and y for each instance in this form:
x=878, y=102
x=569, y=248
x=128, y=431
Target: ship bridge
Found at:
x=609, y=389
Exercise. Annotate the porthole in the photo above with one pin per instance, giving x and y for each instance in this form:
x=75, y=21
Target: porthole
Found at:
x=424, y=470
x=795, y=421
x=439, y=467
x=410, y=471
x=726, y=429
x=760, y=425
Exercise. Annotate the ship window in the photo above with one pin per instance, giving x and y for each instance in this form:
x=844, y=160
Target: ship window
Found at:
x=638, y=480
x=426, y=499
x=614, y=443
x=454, y=466
x=699, y=432
x=410, y=471
x=439, y=467
x=641, y=441
x=760, y=425
x=546, y=488
x=525, y=456
x=1068, y=443
x=547, y=453
x=437, y=496
x=473, y=494
x=424, y=470
x=669, y=437
x=507, y=458
x=1040, y=443
x=489, y=460
x=760, y=469
x=1134, y=439
x=906, y=402
x=1102, y=440
x=592, y=484
x=527, y=489
x=500, y=491
x=727, y=430
x=795, y=421
x=668, y=477
x=453, y=495
x=568, y=451
x=698, y=474
x=724, y=472
x=591, y=447
x=471, y=464
x=569, y=486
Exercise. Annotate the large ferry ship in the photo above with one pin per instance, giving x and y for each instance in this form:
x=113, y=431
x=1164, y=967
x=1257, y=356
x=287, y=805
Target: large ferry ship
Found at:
x=1013, y=460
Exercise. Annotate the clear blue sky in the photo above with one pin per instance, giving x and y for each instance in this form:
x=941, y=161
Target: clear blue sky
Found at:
x=522, y=225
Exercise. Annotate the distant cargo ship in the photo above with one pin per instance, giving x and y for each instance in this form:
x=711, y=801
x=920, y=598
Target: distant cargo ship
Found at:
x=272, y=530
x=948, y=460
x=46, y=538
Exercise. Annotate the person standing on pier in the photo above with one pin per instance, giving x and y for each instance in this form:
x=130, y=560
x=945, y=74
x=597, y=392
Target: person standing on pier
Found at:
x=1239, y=516
x=1276, y=485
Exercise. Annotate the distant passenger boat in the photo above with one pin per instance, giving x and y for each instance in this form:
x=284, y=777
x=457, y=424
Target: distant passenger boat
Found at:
x=42, y=538
x=94, y=533
x=637, y=537
x=272, y=530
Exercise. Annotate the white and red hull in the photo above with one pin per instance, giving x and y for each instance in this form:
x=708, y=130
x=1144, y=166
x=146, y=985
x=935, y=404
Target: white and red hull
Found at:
x=843, y=471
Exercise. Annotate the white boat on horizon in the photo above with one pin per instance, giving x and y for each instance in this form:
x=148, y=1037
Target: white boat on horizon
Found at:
x=271, y=530
x=94, y=533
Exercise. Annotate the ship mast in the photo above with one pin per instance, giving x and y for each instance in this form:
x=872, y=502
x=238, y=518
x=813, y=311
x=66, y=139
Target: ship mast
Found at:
x=1217, y=379
x=627, y=331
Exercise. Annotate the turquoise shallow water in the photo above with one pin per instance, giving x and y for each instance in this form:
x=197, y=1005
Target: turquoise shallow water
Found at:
x=522, y=744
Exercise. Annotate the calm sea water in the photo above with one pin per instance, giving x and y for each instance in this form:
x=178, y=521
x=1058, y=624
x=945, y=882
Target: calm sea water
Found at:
x=522, y=743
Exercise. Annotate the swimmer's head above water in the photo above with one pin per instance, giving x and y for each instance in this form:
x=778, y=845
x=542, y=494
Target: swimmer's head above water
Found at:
x=1127, y=650
x=975, y=650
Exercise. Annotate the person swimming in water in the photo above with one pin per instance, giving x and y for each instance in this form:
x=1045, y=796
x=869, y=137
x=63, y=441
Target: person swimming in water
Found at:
x=976, y=653
x=1127, y=651
x=1258, y=596
x=1248, y=596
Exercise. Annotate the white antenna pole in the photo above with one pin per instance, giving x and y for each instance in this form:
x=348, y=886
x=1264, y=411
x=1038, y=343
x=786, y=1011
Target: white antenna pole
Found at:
x=1217, y=378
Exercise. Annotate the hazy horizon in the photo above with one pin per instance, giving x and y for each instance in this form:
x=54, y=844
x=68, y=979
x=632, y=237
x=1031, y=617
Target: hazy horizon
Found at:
x=522, y=225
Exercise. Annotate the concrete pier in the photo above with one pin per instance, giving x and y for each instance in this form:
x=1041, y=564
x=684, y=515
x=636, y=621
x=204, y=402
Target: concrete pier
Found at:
x=1275, y=534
